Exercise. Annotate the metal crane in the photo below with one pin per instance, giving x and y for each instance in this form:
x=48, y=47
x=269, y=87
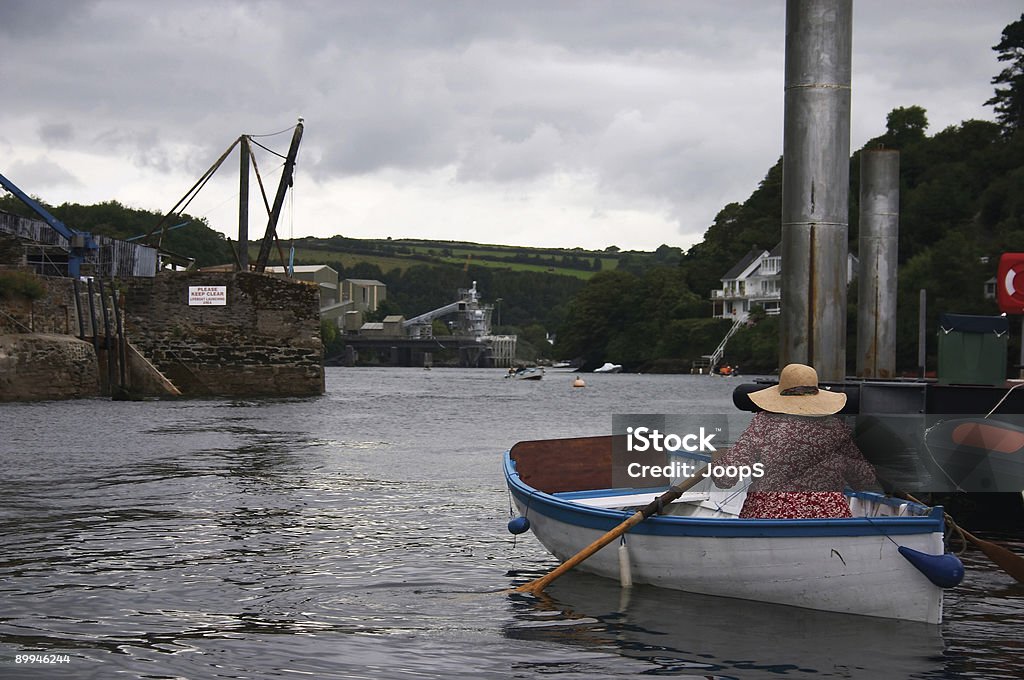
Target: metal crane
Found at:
x=80, y=243
x=282, y=189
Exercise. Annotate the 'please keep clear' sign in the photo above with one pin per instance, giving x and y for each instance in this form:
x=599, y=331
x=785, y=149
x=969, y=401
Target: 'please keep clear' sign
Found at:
x=207, y=295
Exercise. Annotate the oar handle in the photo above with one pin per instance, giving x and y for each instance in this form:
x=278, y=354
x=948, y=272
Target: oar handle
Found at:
x=537, y=586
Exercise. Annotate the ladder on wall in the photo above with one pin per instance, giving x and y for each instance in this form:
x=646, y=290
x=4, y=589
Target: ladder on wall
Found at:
x=709, y=361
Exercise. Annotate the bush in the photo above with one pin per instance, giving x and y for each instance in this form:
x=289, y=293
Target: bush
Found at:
x=20, y=285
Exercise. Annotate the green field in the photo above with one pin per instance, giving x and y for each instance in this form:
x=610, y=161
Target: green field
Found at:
x=401, y=254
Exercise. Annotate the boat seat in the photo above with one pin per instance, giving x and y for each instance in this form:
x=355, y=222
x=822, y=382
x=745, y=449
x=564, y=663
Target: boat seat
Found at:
x=637, y=499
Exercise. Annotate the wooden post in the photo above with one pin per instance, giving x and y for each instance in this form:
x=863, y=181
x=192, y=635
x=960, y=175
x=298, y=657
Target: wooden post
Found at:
x=243, y=204
x=106, y=338
x=282, y=188
x=122, y=359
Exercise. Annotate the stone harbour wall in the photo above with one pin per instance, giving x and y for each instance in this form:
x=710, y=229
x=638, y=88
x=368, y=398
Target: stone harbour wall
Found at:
x=39, y=366
x=264, y=340
x=53, y=313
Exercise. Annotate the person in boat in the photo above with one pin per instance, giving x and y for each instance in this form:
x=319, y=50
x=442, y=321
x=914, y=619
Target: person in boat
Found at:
x=725, y=370
x=808, y=456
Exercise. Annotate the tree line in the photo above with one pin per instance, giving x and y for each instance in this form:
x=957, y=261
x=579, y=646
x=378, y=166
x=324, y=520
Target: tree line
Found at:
x=962, y=205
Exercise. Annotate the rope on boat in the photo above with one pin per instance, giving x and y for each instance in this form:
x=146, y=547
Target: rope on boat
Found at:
x=1000, y=403
x=953, y=527
x=924, y=442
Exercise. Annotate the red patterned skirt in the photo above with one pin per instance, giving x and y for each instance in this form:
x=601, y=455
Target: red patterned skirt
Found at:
x=795, y=505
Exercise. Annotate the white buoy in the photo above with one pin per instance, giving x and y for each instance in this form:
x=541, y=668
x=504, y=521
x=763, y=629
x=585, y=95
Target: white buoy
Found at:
x=578, y=382
x=625, y=571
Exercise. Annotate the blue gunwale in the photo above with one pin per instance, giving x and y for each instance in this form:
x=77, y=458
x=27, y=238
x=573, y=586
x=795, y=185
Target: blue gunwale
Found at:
x=562, y=509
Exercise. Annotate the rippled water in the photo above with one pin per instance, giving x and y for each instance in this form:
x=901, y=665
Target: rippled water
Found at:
x=362, y=535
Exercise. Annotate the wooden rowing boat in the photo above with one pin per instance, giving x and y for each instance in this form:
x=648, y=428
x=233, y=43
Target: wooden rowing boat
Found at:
x=698, y=544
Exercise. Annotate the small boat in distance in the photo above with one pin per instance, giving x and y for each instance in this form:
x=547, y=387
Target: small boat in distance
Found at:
x=525, y=373
x=885, y=561
x=609, y=368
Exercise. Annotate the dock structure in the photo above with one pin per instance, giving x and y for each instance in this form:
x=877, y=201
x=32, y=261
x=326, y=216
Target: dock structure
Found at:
x=411, y=342
x=122, y=327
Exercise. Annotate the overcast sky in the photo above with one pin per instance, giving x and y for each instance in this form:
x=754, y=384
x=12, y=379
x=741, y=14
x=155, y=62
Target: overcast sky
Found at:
x=552, y=123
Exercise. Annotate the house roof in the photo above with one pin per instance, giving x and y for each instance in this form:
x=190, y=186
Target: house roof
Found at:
x=365, y=282
x=302, y=268
x=740, y=266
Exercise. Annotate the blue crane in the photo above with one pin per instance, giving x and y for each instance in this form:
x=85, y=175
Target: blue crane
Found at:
x=79, y=242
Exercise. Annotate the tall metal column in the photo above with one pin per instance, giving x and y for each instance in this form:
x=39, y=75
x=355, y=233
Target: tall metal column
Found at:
x=878, y=248
x=815, y=187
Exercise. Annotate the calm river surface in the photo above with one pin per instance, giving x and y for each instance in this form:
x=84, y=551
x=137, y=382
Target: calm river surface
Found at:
x=362, y=535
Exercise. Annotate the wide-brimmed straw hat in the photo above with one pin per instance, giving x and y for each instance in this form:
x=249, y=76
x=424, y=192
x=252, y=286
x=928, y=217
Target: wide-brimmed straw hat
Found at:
x=798, y=394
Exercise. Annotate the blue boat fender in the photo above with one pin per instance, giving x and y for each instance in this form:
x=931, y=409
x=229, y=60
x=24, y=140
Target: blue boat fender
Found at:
x=518, y=525
x=945, y=571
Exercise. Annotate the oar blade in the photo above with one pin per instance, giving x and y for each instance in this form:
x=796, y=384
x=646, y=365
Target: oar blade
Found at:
x=1008, y=561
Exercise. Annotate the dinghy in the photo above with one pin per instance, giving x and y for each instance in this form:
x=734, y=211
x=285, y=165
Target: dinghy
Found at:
x=886, y=561
x=525, y=373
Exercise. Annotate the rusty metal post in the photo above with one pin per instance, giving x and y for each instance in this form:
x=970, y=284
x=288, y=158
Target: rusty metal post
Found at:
x=815, y=187
x=878, y=248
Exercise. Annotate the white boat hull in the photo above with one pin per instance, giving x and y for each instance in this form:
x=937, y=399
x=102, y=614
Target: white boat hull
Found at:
x=849, y=574
x=699, y=545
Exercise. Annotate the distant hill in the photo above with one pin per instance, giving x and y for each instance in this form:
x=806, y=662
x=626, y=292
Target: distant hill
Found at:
x=403, y=253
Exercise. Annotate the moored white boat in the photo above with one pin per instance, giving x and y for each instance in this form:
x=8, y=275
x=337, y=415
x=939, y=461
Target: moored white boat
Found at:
x=700, y=545
x=526, y=373
x=609, y=367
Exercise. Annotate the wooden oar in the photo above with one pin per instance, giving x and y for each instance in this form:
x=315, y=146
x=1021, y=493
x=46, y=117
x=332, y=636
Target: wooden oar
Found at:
x=1010, y=562
x=537, y=586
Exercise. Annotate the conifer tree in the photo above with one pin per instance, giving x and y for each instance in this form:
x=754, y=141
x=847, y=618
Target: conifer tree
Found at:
x=1008, y=101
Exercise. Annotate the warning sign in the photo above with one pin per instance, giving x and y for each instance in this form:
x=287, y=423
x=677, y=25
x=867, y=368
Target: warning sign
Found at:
x=207, y=295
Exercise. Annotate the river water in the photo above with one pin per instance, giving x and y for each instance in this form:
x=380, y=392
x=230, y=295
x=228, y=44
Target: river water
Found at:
x=361, y=534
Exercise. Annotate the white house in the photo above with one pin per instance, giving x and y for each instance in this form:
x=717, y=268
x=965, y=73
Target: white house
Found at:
x=756, y=279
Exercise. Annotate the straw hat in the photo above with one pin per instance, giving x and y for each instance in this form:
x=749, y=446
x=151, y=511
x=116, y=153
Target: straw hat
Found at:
x=798, y=394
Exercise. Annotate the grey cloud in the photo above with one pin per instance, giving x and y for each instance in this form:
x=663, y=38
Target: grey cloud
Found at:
x=41, y=173
x=657, y=103
x=56, y=134
x=39, y=17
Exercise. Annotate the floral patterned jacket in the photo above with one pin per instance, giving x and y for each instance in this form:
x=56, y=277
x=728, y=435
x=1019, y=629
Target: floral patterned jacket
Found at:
x=798, y=454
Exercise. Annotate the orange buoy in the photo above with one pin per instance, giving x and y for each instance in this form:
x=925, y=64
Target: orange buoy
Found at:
x=578, y=382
